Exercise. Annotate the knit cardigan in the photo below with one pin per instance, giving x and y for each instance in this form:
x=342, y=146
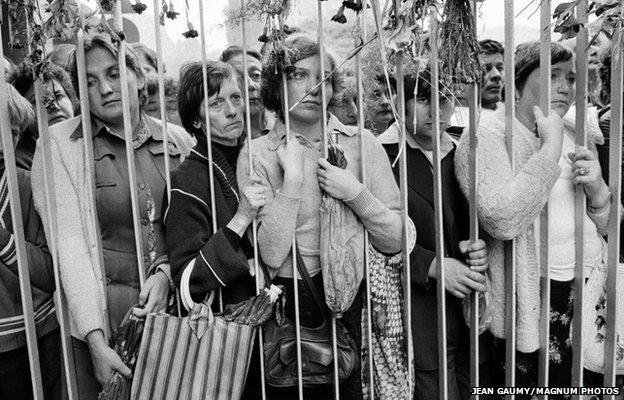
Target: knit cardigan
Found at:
x=79, y=264
x=508, y=205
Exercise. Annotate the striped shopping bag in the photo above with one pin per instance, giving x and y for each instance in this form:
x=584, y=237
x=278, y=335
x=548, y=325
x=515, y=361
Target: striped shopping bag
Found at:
x=198, y=357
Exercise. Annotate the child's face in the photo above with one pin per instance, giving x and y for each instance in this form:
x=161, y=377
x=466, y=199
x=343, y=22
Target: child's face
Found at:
x=424, y=118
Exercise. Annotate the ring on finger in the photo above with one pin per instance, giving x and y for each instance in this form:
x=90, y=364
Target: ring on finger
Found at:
x=583, y=171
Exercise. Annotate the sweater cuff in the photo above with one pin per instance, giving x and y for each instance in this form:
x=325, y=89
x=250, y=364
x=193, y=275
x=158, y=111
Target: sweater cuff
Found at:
x=232, y=238
x=364, y=204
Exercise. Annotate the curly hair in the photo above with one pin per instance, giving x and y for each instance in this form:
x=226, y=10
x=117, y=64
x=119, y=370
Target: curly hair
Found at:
x=299, y=47
x=191, y=92
x=605, y=74
x=104, y=42
x=22, y=79
x=235, y=50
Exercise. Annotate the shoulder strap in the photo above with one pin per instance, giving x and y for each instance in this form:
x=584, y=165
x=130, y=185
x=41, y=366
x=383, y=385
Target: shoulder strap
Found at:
x=305, y=275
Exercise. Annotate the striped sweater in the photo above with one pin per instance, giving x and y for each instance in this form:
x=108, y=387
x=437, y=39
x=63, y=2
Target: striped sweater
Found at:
x=218, y=259
x=12, y=331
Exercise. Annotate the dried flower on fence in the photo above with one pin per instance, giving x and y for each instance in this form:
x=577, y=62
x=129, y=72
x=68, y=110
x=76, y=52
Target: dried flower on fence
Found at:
x=256, y=10
x=459, y=62
x=139, y=7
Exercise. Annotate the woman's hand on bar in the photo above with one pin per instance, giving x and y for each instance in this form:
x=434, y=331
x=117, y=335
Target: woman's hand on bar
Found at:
x=587, y=172
x=290, y=158
x=252, y=198
x=550, y=129
x=459, y=280
x=339, y=183
x=154, y=296
x=477, y=253
x=105, y=360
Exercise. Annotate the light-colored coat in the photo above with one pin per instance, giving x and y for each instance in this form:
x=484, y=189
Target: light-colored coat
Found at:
x=81, y=274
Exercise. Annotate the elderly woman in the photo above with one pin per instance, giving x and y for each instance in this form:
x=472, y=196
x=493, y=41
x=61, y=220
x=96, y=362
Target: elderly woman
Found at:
x=203, y=260
x=261, y=120
x=59, y=99
x=296, y=177
x=510, y=200
x=99, y=296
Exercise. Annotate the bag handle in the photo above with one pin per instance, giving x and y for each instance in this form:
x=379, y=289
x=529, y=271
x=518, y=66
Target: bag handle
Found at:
x=305, y=275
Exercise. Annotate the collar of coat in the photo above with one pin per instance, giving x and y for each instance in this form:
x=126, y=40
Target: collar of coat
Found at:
x=98, y=126
x=277, y=136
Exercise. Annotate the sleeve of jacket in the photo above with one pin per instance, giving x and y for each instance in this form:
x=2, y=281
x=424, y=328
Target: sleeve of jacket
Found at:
x=420, y=262
x=76, y=266
x=378, y=204
x=40, y=266
x=507, y=202
x=189, y=236
x=277, y=219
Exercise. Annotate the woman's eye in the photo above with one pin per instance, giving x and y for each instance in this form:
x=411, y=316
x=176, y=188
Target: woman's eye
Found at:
x=256, y=76
x=236, y=98
x=90, y=83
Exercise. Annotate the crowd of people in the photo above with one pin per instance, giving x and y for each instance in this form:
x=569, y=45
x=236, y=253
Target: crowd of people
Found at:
x=284, y=193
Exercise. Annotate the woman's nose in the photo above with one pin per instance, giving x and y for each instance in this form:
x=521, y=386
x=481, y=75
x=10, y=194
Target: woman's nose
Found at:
x=105, y=87
x=230, y=110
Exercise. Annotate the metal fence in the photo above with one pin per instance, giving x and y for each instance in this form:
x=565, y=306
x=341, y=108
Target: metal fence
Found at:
x=617, y=90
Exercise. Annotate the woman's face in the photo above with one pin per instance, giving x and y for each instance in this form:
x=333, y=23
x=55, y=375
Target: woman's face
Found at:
x=379, y=102
x=226, y=110
x=424, y=118
x=104, y=86
x=344, y=106
x=56, y=101
x=305, y=77
x=562, y=89
x=254, y=75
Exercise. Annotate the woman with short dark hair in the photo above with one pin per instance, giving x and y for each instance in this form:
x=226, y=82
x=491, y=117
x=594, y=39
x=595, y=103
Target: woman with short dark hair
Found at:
x=98, y=302
x=296, y=177
x=204, y=260
x=510, y=201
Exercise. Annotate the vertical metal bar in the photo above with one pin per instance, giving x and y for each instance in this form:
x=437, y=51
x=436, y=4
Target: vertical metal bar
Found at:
x=132, y=177
x=161, y=96
x=615, y=187
x=405, y=216
x=473, y=118
x=510, y=246
x=544, y=100
x=321, y=43
x=360, y=29
x=289, y=136
x=18, y=234
x=582, y=41
x=213, y=209
x=85, y=114
x=163, y=117
x=62, y=311
x=254, y=225
x=437, y=201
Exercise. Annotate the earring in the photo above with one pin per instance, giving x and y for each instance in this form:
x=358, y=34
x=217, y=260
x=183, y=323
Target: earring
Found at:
x=197, y=124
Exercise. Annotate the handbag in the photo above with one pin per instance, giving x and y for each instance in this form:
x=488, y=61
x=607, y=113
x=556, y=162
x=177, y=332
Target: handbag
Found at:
x=317, y=357
x=595, y=320
x=201, y=356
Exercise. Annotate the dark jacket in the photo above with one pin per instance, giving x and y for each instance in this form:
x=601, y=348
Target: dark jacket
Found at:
x=456, y=228
x=12, y=334
x=220, y=257
x=603, y=157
